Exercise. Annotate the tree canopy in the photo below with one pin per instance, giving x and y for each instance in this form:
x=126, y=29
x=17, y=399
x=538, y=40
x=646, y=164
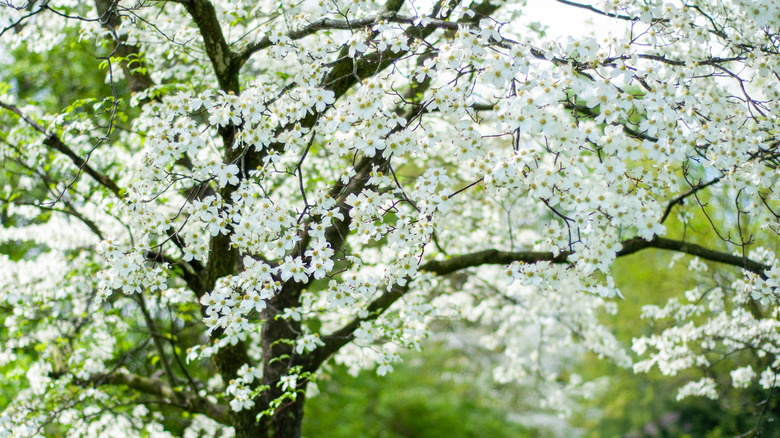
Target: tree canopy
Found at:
x=206, y=206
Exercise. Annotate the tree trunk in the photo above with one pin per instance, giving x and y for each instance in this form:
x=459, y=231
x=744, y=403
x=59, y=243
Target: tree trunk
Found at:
x=279, y=358
x=287, y=421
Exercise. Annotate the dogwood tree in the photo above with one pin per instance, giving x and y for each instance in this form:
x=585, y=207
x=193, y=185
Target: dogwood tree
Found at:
x=270, y=187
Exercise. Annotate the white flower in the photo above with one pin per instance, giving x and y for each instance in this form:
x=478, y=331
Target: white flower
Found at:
x=356, y=44
x=288, y=383
x=308, y=343
x=322, y=98
x=226, y=174
x=293, y=268
x=742, y=377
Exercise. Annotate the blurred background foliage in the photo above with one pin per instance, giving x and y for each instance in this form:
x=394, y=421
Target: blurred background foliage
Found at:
x=431, y=394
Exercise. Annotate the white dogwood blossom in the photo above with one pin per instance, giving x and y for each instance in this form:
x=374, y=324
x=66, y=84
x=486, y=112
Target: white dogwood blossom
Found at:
x=254, y=190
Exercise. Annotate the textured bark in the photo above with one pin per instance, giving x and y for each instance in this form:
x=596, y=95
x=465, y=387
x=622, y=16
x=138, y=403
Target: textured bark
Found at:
x=278, y=358
x=137, y=77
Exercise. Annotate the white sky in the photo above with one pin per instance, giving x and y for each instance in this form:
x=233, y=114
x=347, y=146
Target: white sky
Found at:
x=563, y=20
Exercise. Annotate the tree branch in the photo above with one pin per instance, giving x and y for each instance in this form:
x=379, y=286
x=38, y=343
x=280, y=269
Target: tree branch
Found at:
x=157, y=339
x=189, y=270
x=147, y=385
x=71, y=211
x=496, y=257
x=314, y=27
x=331, y=24
x=679, y=200
x=137, y=79
x=339, y=338
x=223, y=60
x=597, y=11
x=638, y=244
x=54, y=142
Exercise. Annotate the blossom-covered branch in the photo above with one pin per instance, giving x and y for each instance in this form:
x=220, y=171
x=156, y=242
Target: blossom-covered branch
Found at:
x=152, y=386
x=54, y=142
x=339, y=338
